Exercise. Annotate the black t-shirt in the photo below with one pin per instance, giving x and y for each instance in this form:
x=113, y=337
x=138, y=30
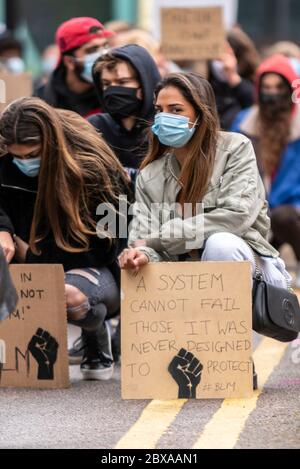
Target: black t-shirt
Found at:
x=57, y=94
x=130, y=146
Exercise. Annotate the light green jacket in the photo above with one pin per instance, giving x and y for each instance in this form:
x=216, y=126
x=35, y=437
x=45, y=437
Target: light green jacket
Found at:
x=235, y=203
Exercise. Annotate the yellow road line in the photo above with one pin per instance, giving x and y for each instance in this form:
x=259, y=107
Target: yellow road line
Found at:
x=154, y=421
x=227, y=424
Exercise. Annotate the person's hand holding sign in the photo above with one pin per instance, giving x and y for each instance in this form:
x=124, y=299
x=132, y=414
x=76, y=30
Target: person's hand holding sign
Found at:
x=21, y=249
x=230, y=66
x=132, y=258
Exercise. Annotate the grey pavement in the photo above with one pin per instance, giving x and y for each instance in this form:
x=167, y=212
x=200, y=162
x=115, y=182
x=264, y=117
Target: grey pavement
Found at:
x=92, y=415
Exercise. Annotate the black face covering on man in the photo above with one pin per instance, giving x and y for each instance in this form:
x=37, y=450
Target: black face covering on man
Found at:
x=121, y=102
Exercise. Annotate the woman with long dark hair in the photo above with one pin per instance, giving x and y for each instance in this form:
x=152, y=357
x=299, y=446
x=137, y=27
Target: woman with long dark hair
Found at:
x=54, y=173
x=192, y=162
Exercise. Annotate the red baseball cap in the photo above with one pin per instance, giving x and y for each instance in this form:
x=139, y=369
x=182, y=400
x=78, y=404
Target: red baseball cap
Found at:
x=78, y=31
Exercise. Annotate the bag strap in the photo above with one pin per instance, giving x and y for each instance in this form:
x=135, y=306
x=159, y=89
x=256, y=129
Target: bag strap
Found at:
x=258, y=271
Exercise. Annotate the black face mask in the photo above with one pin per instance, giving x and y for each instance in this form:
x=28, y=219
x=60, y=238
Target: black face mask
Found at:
x=275, y=103
x=121, y=102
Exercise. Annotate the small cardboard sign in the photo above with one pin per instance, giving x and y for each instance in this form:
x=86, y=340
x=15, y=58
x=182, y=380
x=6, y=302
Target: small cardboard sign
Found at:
x=192, y=33
x=33, y=340
x=187, y=331
x=13, y=87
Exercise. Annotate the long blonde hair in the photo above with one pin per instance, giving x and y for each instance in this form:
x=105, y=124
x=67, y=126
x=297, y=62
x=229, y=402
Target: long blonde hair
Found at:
x=201, y=150
x=78, y=171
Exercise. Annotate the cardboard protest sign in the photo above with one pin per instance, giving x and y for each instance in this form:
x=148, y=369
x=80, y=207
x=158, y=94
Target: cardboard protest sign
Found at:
x=150, y=12
x=187, y=331
x=192, y=33
x=13, y=87
x=33, y=340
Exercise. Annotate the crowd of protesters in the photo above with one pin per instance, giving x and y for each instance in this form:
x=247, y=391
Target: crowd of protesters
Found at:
x=112, y=117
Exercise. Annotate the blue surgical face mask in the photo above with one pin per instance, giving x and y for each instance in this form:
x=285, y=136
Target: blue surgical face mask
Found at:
x=15, y=65
x=49, y=64
x=30, y=168
x=172, y=130
x=88, y=63
x=217, y=68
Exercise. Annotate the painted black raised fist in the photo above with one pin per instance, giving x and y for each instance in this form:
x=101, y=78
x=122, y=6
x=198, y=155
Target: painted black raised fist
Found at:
x=186, y=370
x=43, y=348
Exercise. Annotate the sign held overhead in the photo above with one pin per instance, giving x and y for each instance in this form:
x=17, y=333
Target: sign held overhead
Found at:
x=192, y=33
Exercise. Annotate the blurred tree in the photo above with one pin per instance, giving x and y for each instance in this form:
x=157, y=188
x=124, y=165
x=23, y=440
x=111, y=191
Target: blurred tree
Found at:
x=44, y=16
x=125, y=10
x=2, y=11
x=269, y=21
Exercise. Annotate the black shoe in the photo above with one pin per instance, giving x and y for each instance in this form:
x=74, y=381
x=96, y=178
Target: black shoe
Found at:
x=255, y=379
x=116, y=343
x=97, y=362
x=76, y=352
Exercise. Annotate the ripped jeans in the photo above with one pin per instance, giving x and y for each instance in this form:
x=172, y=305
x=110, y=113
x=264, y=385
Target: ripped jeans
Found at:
x=227, y=247
x=102, y=296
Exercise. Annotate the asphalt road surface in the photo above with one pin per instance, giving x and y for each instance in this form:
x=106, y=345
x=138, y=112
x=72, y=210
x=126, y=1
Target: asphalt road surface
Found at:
x=92, y=414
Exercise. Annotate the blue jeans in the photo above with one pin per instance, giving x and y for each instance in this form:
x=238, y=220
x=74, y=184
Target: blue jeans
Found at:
x=101, y=291
x=227, y=247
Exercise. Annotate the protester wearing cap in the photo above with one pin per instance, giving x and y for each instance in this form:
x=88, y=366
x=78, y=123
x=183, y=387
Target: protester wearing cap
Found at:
x=81, y=41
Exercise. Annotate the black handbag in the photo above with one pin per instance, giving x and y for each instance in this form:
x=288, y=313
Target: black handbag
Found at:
x=276, y=311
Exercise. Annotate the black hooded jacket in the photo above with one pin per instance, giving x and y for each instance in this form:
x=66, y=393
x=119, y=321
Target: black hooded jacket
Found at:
x=130, y=146
x=57, y=94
